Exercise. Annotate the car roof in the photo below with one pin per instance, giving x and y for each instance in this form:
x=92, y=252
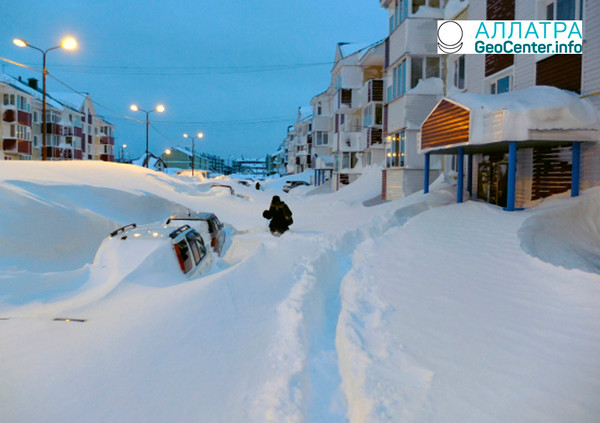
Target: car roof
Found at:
x=190, y=215
x=152, y=231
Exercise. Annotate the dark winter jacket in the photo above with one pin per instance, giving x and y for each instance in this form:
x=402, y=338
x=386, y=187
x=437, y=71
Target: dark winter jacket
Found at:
x=280, y=215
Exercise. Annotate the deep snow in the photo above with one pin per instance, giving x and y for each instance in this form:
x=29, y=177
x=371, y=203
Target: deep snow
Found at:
x=416, y=310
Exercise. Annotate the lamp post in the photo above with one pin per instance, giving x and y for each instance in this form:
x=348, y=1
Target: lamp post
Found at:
x=68, y=43
x=160, y=108
x=123, y=153
x=198, y=136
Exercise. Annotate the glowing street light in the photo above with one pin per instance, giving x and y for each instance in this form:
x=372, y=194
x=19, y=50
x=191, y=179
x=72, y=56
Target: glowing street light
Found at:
x=198, y=136
x=68, y=43
x=160, y=108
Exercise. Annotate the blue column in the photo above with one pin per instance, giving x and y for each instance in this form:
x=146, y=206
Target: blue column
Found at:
x=470, y=174
x=461, y=175
x=426, y=178
x=512, y=176
x=575, y=169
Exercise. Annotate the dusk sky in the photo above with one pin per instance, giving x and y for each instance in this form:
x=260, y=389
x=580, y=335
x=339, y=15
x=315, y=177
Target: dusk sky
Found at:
x=236, y=70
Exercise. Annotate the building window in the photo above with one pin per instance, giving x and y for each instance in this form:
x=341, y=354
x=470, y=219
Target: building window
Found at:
x=416, y=4
x=9, y=99
x=396, y=149
x=398, y=13
x=398, y=87
x=322, y=137
x=501, y=85
x=423, y=68
x=459, y=73
x=563, y=10
x=319, y=109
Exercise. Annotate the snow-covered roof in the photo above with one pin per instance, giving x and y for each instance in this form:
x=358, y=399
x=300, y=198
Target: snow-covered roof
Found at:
x=24, y=87
x=73, y=100
x=526, y=114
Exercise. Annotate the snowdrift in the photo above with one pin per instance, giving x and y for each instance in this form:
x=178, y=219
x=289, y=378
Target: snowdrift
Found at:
x=416, y=310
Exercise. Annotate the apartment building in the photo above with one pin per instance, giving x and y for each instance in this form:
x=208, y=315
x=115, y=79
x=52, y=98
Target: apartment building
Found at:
x=73, y=130
x=413, y=73
x=16, y=124
x=356, y=82
x=299, y=142
x=520, y=128
x=97, y=135
x=322, y=136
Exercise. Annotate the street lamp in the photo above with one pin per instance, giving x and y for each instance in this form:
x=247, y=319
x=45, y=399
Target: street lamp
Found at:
x=160, y=108
x=198, y=136
x=123, y=153
x=68, y=43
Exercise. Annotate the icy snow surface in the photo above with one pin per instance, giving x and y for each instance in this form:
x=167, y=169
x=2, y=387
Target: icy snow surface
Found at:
x=416, y=310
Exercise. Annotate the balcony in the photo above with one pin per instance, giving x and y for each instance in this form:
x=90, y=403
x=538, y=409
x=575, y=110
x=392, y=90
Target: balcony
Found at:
x=372, y=91
x=106, y=140
x=9, y=115
x=374, y=137
x=346, y=99
x=17, y=146
x=350, y=141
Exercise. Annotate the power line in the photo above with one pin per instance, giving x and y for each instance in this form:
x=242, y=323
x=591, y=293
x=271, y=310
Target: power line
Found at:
x=184, y=70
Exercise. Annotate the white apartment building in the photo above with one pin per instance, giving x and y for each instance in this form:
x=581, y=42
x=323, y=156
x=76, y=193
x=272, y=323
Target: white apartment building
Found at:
x=414, y=84
x=354, y=86
x=73, y=131
x=322, y=136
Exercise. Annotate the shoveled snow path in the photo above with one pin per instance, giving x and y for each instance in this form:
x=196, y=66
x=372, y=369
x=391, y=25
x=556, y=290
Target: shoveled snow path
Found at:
x=305, y=384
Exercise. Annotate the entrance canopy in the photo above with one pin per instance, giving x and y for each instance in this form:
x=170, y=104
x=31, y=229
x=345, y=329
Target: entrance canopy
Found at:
x=533, y=115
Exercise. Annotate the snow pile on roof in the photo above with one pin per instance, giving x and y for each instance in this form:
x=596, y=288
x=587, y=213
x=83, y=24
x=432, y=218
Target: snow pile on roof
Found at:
x=432, y=86
x=454, y=7
x=512, y=116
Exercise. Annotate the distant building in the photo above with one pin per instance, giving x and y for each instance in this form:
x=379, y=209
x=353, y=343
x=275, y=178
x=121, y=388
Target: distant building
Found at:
x=73, y=130
x=251, y=167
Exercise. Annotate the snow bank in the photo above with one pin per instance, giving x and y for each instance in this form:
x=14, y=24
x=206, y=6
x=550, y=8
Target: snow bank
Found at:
x=567, y=236
x=415, y=310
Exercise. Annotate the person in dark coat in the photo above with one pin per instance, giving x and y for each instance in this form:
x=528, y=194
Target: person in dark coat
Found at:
x=280, y=215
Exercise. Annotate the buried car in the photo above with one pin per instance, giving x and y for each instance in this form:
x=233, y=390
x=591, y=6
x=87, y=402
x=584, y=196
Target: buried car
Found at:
x=289, y=185
x=206, y=223
x=182, y=246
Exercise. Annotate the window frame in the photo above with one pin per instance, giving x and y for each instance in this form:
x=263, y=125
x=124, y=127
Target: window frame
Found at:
x=460, y=68
x=493, y=83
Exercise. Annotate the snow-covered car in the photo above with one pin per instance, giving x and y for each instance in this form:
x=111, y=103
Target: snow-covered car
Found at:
x=203, y=222
x=182, y=246
x=289, y=185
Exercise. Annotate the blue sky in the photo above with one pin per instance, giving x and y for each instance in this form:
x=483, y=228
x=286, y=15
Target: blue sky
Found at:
x=236, y=70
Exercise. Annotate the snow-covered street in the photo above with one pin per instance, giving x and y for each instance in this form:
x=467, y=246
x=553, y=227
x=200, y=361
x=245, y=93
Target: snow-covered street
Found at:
x=414, y=310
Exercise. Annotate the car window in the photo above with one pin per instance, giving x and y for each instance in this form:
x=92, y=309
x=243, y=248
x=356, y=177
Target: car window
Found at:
x=184, y=256
x=196, y=246
x=211, y=226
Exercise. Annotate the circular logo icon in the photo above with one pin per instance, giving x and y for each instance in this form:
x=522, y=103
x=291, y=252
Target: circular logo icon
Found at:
x=450, y=35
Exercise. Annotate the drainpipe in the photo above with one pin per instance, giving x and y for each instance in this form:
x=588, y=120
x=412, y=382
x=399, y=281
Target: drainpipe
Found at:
x=575, y=169
x=470, y=174
x=426, y=178
x=512, y=176
x=461, y=175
